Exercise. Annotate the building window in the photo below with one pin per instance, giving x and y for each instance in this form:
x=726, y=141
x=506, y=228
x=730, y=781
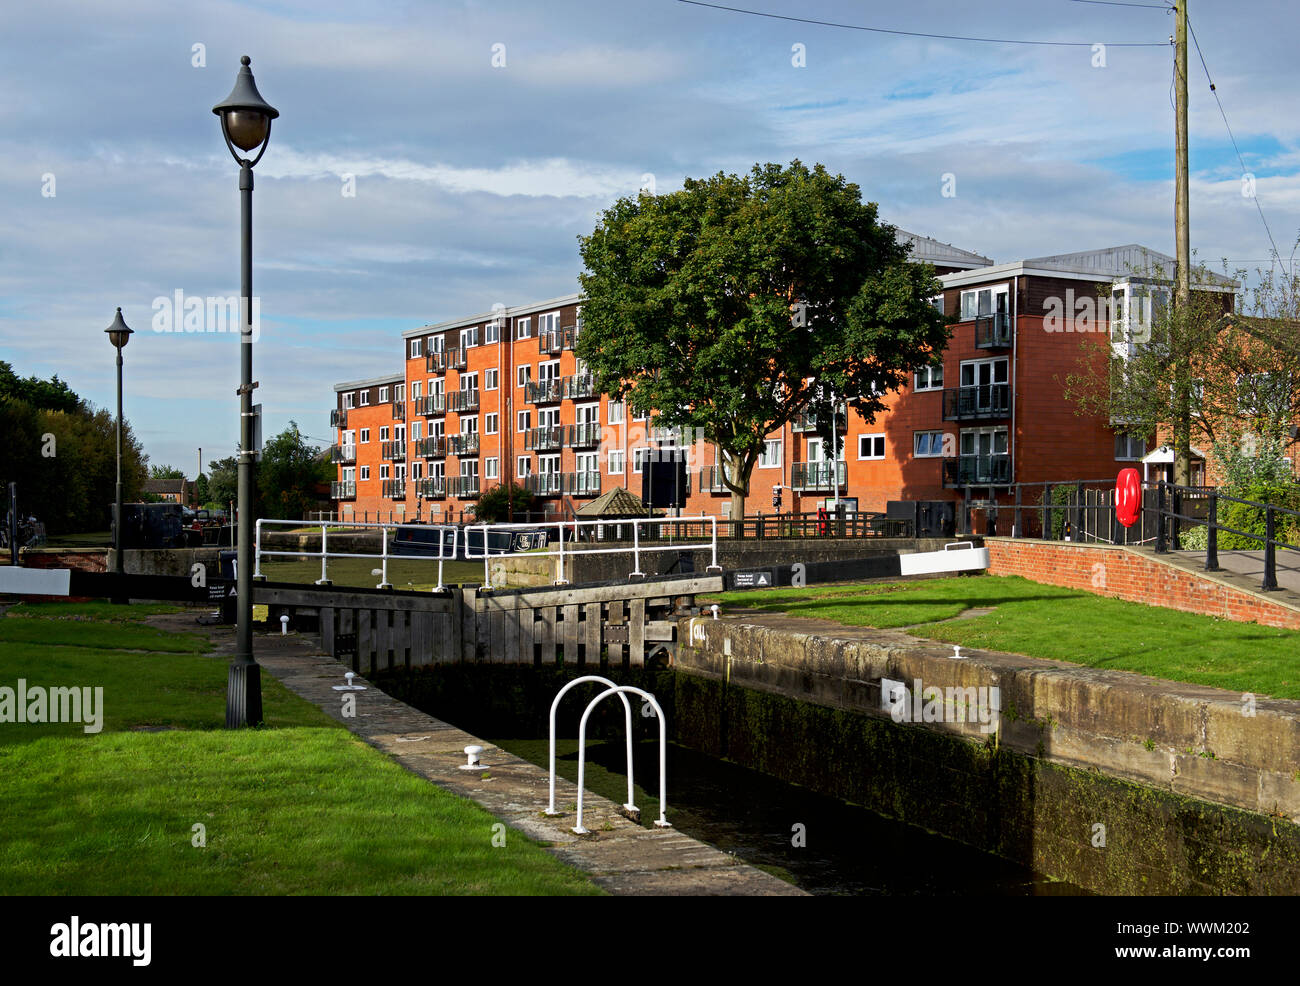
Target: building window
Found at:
x=350, y=473
x=490, y=468
x=399, y=392
x=490, y=426
x=1130, y=448
x=365, y=398
x=365, y=436
x=617, y=461
x=638, y=458
x=415, y=390
x=365, y=472
x=469, y=381
x=548, y=323
x=871, y=446
x=927, y=444
x=523, y=328
x=383, y=395
x=383, y=471
x=383, y=434
x=524, y=420
x=617, y=409
x=435, y=344
x=936, y=302
x=523, y=466
x=928, y=378
x=417, y=470
x=349, y=401
x=468, y=337
x=417, y=348
x=984, y=301
x=491, y=379
x=417, y=430
x=771, y=457
x=523, y=375
x=492, y=332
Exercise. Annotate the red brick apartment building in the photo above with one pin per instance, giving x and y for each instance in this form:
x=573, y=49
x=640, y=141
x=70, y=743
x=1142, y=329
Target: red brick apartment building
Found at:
x=500, y=396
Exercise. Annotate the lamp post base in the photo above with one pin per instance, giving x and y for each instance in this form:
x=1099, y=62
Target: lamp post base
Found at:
x=244, y=695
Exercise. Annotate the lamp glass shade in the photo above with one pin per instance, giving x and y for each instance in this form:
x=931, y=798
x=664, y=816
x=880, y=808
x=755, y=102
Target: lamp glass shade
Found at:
x=246, y=129
x=118, y=333
x=245, y=116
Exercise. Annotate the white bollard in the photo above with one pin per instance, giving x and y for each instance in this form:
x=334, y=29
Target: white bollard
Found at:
x=284, y=625
x=349, y=687
x=472, y=752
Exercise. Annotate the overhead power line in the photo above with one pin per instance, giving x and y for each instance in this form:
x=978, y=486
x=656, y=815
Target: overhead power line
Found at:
x=1240, y=160
x=922, y=34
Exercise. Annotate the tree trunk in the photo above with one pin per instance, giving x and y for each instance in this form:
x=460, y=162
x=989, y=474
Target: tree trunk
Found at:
x=737, y=499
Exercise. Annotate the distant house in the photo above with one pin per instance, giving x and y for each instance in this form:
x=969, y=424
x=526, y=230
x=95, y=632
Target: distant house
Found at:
x=169, y=490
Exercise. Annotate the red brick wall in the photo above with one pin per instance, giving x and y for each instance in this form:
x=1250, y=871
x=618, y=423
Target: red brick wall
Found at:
x=1125, y=574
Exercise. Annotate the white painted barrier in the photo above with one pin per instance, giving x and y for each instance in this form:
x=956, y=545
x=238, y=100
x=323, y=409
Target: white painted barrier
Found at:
x=627, y=710
x=35, y=581
x=661, y=821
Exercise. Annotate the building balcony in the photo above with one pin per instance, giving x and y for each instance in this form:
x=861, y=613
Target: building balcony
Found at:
x=465, y=487
x=543, y=392
x=808, y=422
x=430, y=405
x=578, y=387
x=813, y=476
x=461, y=401
x=346, y=454
x=992, y=400
x=431, y=488
x=547, y=438
x=394, y=451
x=543, y=483
x=343, y=490
x=464, y=444
x=586, y=483
x=550, y=342
x=711, y=480
x=394, y=489
x=993, y=331
x=977, y=470
x=433, y=447
x=399, y=410
x=339, y=418
x=583, y=435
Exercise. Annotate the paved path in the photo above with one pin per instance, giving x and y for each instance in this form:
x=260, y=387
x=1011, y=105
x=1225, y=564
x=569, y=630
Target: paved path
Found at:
x=621, y=856
x=1242, y=570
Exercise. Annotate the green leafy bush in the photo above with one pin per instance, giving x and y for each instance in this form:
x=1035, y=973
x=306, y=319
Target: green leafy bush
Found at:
x=1195, y=539
x=1250, y=519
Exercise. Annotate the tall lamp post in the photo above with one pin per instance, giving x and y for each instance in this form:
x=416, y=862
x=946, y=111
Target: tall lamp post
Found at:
x=119, y=335
x=246, y=126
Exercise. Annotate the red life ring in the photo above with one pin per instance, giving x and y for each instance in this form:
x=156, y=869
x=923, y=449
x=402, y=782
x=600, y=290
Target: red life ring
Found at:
x=823, y=522
x=1128, y=497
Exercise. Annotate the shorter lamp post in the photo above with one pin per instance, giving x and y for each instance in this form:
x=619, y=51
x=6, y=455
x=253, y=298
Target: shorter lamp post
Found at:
x=119, y=335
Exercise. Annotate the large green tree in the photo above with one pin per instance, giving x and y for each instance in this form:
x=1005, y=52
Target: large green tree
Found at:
x=289, y=475
x=735, y=304
x=223, y=481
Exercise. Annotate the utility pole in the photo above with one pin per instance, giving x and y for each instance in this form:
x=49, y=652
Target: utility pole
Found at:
x=1182, y=235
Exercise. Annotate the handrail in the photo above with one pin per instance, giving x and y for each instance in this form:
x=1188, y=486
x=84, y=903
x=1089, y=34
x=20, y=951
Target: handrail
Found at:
x=325, y=554
x=561, y=525
x=627, y=709
x=661, y=821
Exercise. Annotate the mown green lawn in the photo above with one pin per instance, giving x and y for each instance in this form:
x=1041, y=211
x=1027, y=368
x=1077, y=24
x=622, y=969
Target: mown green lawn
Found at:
x=298, y=807
x=1062, y=624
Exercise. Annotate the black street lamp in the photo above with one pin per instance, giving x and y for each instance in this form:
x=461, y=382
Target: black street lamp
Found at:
x=119, y=335
x=245, y=124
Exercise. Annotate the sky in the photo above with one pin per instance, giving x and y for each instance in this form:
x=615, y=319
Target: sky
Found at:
x=480, y=140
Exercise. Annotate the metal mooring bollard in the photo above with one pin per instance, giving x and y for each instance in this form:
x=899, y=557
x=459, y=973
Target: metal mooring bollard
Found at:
x=714, y=608
x=472, y=753
x=284, y=625
x=349, y=687
x=956, y=652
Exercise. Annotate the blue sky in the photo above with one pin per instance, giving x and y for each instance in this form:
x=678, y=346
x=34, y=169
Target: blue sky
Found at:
x=473, y=182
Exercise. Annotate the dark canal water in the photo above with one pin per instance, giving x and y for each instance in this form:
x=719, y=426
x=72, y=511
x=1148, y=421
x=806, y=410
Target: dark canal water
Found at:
x=846, y=850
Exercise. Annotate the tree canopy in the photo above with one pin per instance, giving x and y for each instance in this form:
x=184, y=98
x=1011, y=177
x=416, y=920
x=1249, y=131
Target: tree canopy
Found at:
x=289, y=475
x=734, y=305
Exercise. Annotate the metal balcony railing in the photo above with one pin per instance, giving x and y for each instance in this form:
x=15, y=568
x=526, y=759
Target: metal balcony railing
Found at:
x=430, y=405
x=816, y=475
x=394, y=489
x=433, y=447
x=431, y=488
x=435, y=362
x=343, y=490
x=394, y=451
x=343, y=453
x=465, y=487
x=339, y=418
x=399, y=410
x=993, y=331
x=583, y=435
x=461, y=401
x=585, y=483
x=457, y=359
x=550, y=342
x=992, y=400
x=464, y=444
x=543, y=483
x=542, y=392
x=578, y=386
x=966, y=470
x=547, y=438
x=808, y=422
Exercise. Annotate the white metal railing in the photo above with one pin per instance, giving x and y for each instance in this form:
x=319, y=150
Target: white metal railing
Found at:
x=627, y=714
x=561, y=526
x=661, y=821
x=325, y=554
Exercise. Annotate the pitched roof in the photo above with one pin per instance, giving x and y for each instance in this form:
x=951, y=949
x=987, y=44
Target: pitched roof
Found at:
x=940, y=254
x=618, y=502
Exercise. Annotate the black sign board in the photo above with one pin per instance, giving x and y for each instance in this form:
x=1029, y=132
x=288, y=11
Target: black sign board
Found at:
x=752, y=580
